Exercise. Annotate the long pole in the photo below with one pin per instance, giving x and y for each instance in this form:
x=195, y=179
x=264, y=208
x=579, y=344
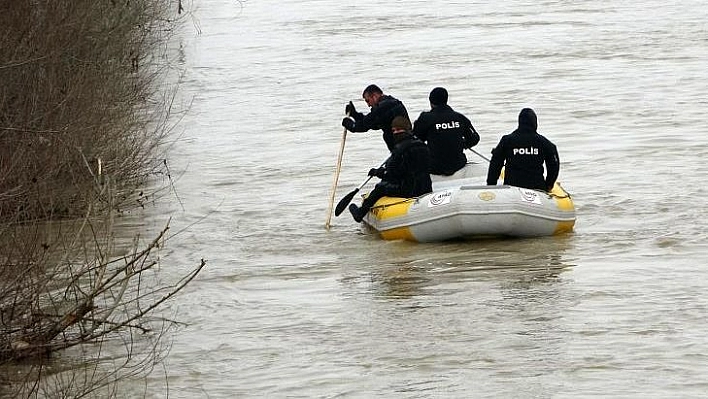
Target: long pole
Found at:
x=480, y=155
x=336, y=178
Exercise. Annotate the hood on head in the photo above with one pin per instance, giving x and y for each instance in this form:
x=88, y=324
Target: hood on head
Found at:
x=527, y=119
x=438, y=96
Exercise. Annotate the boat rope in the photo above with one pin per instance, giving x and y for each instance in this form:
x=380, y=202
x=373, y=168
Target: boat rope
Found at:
x=559, y=196
x=566, y=194
x=403, y=201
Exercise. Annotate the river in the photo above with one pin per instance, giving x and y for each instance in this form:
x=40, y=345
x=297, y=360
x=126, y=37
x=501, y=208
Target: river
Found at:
x=288, y=309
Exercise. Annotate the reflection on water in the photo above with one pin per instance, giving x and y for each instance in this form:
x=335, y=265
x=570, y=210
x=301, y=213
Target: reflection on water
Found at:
x=432, y=277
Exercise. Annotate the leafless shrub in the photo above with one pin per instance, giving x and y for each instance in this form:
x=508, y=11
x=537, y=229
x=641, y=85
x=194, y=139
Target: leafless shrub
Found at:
x=80, y=94
x=84, y=117
x=80, y=295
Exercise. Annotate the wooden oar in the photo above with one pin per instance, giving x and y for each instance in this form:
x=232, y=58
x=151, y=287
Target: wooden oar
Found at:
x=342, y=205
x=336, y=178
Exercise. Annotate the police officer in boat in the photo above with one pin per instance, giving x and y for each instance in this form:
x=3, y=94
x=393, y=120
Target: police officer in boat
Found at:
x=447, y=134
x=523, y=152
x=384, y=108
x=405, y=173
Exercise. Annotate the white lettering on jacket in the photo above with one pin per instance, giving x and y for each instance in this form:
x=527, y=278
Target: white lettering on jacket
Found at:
x=526, y=151
x=447, y=125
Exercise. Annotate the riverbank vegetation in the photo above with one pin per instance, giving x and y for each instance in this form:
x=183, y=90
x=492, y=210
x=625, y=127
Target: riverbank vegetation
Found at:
x=84, y=119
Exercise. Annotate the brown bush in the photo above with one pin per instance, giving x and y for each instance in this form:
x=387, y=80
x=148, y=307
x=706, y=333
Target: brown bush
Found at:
x=83, y=117
x=76, y=77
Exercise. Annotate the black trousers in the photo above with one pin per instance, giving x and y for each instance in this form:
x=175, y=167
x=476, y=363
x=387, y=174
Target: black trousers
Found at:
x=382, y=189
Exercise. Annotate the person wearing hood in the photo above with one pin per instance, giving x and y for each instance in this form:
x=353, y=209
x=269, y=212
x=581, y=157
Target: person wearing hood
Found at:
x=405, y=173
x=447, y=134
x=384, y=109
x=523, y=153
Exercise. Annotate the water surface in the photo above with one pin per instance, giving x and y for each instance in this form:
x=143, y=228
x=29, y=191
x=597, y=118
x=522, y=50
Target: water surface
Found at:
x=288, y=309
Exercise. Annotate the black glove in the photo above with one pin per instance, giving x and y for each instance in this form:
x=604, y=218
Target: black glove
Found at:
x=348, y=123
x=377, y=172
x=349, y=109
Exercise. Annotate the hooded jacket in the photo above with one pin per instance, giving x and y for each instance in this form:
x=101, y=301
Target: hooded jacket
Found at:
x=524, y=152
x=406, y=172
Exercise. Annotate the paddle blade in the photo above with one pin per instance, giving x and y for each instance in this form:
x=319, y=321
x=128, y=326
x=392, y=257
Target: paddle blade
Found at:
x=342, y=205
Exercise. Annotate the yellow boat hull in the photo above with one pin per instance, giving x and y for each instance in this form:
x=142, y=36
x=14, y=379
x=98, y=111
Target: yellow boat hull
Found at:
x=469, y=211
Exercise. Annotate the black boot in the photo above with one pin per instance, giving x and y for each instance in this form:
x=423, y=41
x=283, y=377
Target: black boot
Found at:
x=356, y=213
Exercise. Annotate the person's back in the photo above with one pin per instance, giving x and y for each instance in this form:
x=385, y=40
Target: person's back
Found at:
x=523, y=153
x=446, y=132
x=384, y=108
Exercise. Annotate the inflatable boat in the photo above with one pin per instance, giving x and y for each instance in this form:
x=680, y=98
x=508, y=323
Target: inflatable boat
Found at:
x=462, y=206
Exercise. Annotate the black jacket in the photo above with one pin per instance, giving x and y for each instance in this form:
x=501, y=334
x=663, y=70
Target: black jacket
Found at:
x=447, y=134
x=524, y=152
x=380, y=118
x=407, y=169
